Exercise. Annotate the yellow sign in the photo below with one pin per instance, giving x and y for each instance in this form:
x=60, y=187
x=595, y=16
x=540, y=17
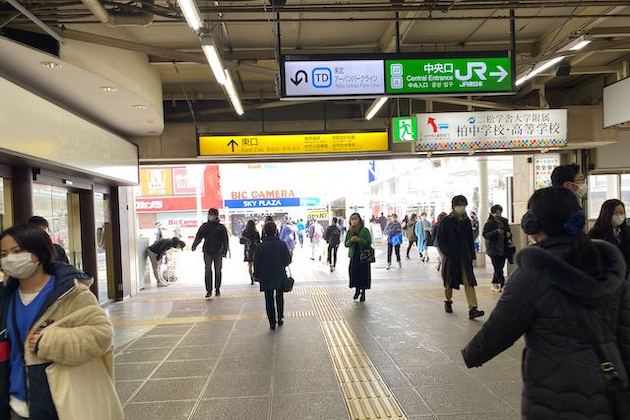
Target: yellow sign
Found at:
x=318, y=214
x=156, y=181
x=286, y=144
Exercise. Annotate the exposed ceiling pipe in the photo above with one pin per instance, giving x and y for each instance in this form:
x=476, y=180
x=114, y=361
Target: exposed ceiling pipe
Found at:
x=115, y=18
x=50, y=31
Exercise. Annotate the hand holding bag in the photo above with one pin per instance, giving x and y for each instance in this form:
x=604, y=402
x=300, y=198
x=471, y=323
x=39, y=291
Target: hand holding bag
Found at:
x=367, y=255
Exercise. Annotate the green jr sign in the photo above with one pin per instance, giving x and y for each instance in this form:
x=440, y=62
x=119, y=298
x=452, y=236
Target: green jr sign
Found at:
x=431, y=76
x=405, y=129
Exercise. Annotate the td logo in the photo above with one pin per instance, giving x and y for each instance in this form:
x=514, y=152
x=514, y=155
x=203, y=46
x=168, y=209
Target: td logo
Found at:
x=322, y=77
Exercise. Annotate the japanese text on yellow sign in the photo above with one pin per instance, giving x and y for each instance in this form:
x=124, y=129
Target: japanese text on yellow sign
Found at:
x=283, y=144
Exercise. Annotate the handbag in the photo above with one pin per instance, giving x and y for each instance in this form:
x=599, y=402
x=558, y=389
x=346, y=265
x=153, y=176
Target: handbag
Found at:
x=367, y=255
x=618, y=392
x=288, y=284
x=70, y=384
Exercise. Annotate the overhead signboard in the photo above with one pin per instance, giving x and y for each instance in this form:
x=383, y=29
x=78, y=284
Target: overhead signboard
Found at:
x=430, y=76
x=288, y=144
x=492, y=130
x=334, y=78
x=407, y=74
x=262, y=203
x=404, y=129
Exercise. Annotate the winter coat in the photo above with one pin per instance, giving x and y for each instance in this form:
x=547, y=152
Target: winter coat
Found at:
x=394, y=233
x=333, y=235
x=423, y=230
x=365, y=240
x=215, y=238
x=609, y=236
x=76, y=331
x=456, y=244
x=497, y=243
x=560, y=368
x=252, y=241
x=270, y=263
x=410, y=230
x=288, y=235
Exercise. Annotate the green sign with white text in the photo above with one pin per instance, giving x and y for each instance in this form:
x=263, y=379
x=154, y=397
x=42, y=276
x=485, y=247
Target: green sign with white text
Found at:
x=404, y=129
x=434, y=76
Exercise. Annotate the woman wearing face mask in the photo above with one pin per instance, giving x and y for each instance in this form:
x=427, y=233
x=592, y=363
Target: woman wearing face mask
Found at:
x=456, y=243
x=54, y=335
x=497, y=233
x=358, y=239
x=570, y=299
x=611, y=226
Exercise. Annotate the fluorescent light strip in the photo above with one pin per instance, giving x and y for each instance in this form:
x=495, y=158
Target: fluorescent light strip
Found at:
x=375, y=107
x=191, y=13
x=580, y=45
x=233, y=95
x=540, y=67
x=214, y=59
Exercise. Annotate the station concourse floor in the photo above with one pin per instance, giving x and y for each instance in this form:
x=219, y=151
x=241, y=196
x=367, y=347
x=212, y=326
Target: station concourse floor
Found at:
x=396, y=355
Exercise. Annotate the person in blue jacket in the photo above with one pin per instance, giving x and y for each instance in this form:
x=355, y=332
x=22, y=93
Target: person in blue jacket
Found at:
x=423, y=232
x=394, y=233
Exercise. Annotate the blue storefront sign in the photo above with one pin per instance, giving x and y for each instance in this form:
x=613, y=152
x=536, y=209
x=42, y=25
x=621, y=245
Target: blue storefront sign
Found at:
x=309, y=202
x=262, y=203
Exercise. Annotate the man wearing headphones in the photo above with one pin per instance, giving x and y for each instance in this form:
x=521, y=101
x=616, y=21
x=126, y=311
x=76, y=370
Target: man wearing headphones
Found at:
x=455, y=237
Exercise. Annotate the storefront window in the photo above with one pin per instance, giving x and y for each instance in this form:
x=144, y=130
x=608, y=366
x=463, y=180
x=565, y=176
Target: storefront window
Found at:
x=51, y=203
x=625, y=190
x=600, y=189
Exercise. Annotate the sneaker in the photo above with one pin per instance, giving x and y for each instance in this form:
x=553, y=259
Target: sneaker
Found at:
x=388, y=266
x=475, y=313
x=208, y=295
x=280, y=323
x=332, y=268
x=448, y=306
x=217, y=293
x=495, y=288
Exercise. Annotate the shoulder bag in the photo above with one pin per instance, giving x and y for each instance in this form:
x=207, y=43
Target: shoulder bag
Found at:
x=618, y=392
x=367, y=255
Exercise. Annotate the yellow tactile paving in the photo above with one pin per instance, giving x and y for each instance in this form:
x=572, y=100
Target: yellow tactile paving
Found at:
x=366, y=394
x=200, y=319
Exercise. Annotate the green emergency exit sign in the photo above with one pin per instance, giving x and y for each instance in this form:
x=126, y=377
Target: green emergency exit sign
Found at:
x=430, y=76
x=404, y=129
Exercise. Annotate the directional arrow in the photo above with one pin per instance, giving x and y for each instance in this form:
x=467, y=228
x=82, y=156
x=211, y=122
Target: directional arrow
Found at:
x=297, y=80
x=501, y=74
x=432, y=123
x=234, y=144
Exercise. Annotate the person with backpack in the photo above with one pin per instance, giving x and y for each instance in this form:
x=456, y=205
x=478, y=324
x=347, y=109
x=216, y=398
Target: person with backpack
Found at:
x=410, y=230
x=316, y=233
x=571, y=299
x=332, y=236
x=215, y=248
x=394, y=233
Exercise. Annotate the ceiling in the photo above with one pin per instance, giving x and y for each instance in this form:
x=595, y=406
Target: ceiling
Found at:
x=247, y=33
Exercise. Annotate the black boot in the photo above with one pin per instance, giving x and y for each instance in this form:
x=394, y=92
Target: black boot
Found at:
x=362, y=296
x=356, y=294
x=448, y=306
x=475, y=313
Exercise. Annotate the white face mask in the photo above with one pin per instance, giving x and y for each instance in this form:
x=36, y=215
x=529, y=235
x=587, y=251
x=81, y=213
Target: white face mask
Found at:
x=19, y=266
x=582, y=190
x=460, y=210
x=618, y=220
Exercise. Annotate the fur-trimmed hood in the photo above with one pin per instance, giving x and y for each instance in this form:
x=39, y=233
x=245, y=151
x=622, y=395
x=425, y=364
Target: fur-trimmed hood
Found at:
x=547, y=260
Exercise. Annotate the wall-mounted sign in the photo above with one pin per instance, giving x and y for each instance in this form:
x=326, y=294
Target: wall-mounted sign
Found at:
x=318, y=214
x=287, y=144
x=543, y=167
x=156, y=181
x=496, y=130
x=184, y=183
x=262, y=203
x=485, y=75
x=333, y=78
x=404, y=129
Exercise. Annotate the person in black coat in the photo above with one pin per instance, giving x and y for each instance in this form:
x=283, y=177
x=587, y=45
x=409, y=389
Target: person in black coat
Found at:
x=270, y=263
x=497, y=233
x=215, y=247
x=566, y=285
x=250, y=239
x=60, y=253
x=456, y=243
x=611, y=226
x=156, y=253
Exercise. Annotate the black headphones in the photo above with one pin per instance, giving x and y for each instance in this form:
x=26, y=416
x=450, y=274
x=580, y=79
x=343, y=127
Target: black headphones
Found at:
x=530, y=223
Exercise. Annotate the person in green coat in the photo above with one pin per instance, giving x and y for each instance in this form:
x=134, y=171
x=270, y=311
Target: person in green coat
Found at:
x=358, y=238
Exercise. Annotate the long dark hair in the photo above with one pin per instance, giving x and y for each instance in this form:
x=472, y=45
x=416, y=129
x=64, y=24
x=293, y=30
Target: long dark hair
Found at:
x=35, y=240
x=559, y=214
x=361, y=224
x=603, y=228
x=250, y=226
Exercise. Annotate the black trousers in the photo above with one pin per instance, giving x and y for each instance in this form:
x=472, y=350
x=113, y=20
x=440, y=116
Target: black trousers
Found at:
x=498, y=262
x=217, y=262
x=271, y=310
x=412, y=242
x=332, y=255
x=390, y=248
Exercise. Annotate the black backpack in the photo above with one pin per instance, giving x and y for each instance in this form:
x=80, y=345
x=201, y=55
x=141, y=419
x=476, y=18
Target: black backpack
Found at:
x=334, y=237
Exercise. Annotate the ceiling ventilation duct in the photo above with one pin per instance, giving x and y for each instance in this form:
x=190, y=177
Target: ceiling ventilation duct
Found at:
x=118, y=18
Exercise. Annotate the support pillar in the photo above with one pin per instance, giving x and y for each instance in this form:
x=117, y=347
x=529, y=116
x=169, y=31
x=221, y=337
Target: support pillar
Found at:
x=22, y=186
x=87, y=217
x=482, y=211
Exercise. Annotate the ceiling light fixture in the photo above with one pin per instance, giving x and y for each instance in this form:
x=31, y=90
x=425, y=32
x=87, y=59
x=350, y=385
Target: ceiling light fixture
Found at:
x=140, y=106
x=539, y=68
x=50, y=65
x=375, y=107
x=214, y=60
x=191, y=13
x=233, y=94
x=108, y=89
x=577, y=44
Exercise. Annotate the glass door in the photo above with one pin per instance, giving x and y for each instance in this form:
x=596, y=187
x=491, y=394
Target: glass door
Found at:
x=103, y=247
x=53, y=204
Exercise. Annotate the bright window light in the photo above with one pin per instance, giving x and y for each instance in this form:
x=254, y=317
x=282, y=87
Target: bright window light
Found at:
x=191, y=13
x=233, y=94
x=375, y=107
x=214, y=60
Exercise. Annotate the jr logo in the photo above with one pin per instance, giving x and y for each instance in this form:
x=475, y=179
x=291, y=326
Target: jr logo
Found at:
x=474, y=67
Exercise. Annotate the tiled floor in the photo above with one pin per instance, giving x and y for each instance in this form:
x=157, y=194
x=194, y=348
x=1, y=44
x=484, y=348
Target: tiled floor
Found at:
x=179, y=356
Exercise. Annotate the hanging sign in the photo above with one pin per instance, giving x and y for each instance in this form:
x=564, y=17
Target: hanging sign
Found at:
x=288, y=144
x=492, y=130
x=404, y=129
